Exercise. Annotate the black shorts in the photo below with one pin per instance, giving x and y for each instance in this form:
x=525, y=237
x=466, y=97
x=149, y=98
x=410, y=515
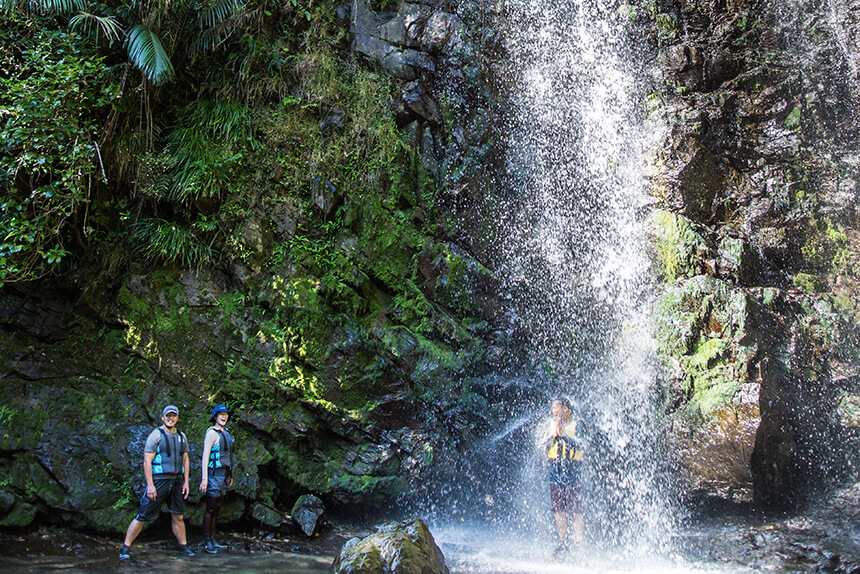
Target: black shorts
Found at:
x=564, y=498
x=219, y=478
x=167, y=490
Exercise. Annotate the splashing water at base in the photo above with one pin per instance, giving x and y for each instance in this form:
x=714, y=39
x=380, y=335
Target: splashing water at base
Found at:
x=481, y=550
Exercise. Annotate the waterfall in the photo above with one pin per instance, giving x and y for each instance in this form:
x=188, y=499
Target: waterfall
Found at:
x=569, y=211
x=573, y=253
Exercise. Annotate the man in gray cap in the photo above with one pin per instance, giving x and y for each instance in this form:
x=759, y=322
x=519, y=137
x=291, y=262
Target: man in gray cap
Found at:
x=166, y=468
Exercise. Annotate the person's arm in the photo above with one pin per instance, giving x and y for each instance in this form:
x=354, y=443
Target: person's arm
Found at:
x=186, y=471
x=233, y=460
x=208, y=443
x=151, y=493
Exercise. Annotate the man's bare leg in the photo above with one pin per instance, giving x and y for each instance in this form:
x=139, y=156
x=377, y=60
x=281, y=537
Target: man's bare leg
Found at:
x=561, y=524
x=133, y=530
x=578, y=527
x=178, y=525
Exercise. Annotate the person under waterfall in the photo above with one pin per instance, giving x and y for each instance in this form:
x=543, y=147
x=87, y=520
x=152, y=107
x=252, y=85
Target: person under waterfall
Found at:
x=564, y=450
x=216, y=473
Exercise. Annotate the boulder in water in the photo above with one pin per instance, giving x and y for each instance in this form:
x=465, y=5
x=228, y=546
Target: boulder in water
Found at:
x=398, y=548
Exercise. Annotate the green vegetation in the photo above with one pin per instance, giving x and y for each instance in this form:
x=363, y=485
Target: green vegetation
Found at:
x=679, y=247
x=51, y=164
x=104, y=164
x=231, y=178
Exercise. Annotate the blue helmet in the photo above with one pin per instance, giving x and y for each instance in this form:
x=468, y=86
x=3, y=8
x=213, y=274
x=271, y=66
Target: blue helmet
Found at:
x=219, y=409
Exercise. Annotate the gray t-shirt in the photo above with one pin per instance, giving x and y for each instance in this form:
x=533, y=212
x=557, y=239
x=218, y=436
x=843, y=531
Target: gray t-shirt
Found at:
x=168, y=448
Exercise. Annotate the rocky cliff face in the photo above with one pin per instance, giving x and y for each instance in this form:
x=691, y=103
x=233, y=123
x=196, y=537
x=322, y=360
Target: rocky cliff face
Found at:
x=757, y=241
x=337, y=326
x=351, y=386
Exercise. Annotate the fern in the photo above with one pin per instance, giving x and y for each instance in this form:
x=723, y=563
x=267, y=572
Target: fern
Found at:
x=169, y=242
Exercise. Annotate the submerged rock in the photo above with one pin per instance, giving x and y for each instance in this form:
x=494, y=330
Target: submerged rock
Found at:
x=399, y=548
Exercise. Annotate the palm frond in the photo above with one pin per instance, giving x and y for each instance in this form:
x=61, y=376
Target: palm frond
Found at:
x=59, y=6
x=219, y=11
x=11, y=6
x=42, y=6
x=91, y=24
x=207, y=40
x=147, y=53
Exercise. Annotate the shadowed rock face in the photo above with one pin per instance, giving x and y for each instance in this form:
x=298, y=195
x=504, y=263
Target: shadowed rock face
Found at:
x=762, y=158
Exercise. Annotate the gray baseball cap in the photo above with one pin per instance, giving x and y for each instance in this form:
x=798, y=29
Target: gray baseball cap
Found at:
x=170, y=409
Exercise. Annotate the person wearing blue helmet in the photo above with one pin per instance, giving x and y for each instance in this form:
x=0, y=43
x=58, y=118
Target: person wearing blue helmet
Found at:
x=217, y=473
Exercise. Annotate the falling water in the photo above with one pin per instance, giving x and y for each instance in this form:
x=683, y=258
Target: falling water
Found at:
x=574, y=251
x=572, y=254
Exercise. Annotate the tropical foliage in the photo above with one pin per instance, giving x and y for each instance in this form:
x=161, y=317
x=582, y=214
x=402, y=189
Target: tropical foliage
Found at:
x=51, y=164
x=148, y=131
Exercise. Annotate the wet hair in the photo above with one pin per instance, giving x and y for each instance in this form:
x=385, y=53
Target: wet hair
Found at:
x=564, y=402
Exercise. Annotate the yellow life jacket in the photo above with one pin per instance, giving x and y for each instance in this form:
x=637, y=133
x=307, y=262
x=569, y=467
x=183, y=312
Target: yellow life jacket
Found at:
x=562, y=449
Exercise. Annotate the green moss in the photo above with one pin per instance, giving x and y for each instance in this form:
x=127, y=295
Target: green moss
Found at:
x=22, y=514
x=708, y=353
x=769, y=296
x=459, y=288
x=711, y=382
x=674, y=324
x=678, y=245
x=792, y=120
x=827, y=247
x=807, y=282
x=667, y=26
x=848, y=408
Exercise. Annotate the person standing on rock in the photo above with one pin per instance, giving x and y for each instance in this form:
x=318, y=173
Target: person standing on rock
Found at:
x=165, y=469
x=217, y=473
x=564, y=450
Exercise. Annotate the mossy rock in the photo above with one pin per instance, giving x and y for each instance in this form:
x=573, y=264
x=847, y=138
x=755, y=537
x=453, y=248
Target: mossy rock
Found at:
x=679, y=247
x=712, y=382
x=807, y=282
x=457, y=280
x=407, y=547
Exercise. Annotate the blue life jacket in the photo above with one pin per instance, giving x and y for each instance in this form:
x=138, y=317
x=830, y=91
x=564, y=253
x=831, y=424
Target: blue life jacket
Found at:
x=221, y=454
x=170, y=460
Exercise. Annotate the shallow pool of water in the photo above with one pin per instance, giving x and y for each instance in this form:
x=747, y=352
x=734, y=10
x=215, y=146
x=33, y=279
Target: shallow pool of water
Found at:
x=152, y=560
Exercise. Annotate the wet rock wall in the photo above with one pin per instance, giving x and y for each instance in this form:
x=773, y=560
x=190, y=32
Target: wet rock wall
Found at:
x=352, y=391
x=757, y=244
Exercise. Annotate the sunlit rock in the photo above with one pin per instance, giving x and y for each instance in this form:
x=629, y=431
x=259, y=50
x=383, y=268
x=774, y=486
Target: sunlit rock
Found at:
x=404, y=548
